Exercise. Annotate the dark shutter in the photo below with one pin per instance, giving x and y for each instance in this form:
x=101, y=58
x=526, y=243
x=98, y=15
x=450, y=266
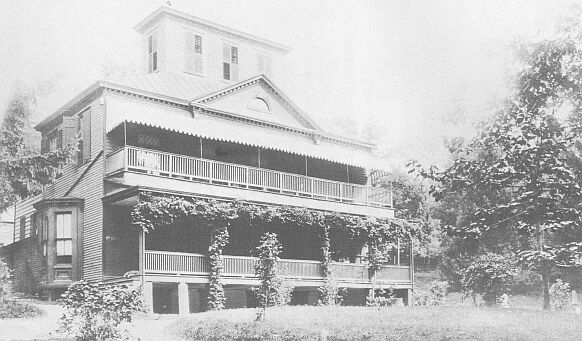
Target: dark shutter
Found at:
x=69, y=129
x=44, y=144
x=86, y=117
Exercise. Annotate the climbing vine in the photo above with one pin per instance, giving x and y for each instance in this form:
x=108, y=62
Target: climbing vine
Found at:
x=160, y=211
x=216, y=296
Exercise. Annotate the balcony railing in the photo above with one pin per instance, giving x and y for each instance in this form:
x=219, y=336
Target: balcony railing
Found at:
x=197, y=169
x=176, y=263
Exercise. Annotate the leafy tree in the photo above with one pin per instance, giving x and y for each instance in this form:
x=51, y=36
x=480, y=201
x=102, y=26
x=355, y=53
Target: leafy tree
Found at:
x=23, y=170
x=519, y=168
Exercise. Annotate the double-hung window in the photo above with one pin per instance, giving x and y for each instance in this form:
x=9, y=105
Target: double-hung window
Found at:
x=229, y=62
x=153, y=52
x=193, y=62
x=44, y=239
x=264, y=64
x=64, y=238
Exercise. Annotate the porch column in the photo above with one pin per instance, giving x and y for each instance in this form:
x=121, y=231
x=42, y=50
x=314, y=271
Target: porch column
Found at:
x=183, y=299
x=409, y=298
x=575, y=303
x=148, y=295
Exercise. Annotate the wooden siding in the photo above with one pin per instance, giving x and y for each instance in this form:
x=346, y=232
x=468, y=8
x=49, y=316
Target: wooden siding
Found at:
x=79, y=182
x=24, y=209
x=172, y=45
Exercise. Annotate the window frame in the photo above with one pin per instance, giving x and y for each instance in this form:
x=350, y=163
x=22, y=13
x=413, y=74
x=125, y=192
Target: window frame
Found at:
x=192, y=54
x=233, y=59
x=68, y=256
x=152, y=50
x=266, y=57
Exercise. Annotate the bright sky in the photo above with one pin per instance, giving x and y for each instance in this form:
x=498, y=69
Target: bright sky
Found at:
x=403, y=65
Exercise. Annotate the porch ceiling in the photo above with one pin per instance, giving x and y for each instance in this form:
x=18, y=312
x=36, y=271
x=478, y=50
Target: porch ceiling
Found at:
x=120, y=111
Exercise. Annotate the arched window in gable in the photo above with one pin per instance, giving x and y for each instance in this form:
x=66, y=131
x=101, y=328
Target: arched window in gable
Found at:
x=259, y=104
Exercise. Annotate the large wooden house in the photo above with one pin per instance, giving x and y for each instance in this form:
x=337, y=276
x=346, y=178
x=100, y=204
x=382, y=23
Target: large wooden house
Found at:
x=204, y=119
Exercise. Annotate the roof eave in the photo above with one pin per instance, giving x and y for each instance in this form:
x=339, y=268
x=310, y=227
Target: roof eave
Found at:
x=170, y=11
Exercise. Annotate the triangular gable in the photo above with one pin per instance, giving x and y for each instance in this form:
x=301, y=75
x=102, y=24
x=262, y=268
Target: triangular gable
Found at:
x=258, y=98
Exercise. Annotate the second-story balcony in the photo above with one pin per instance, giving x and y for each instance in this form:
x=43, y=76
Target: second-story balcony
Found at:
x=145, y=161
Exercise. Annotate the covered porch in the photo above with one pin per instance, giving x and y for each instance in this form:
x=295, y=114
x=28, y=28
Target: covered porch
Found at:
x=138, y=149
x=166, y=260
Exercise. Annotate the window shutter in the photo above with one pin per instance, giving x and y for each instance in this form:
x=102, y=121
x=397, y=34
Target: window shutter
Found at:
x=267, y=69
x=189, y=52
x=86, y=135
x=226, y=53
x=69, y=130
x=234, y=64
x=260, y=63
x=44, y=144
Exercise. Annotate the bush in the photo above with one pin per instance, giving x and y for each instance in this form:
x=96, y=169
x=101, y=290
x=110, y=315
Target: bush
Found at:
x=560, y=295
x=15, y=309
x=526, y=282
x=436, y=295
x=330, y=293
x=490, y=275
x=382, y=298
x=97, y=312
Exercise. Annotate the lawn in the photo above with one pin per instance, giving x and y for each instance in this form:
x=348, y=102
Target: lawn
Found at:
x=397, y=323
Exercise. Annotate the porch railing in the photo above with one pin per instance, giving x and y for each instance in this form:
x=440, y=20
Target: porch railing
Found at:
x=196, y=169
x=177, y=263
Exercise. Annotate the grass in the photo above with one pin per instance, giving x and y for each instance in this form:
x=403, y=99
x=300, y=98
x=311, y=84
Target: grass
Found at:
x=361, y=323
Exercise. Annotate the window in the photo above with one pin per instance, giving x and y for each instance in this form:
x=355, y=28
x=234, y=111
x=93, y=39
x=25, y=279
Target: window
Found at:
x=264, y=64
x=44, y=238
x=22, y=227
x=148, y=141
x=64, y=238
x=229, y=62
x=193, y=53
x=259, y=104
x=84, y=134
x=33, y=224
x=153, y=52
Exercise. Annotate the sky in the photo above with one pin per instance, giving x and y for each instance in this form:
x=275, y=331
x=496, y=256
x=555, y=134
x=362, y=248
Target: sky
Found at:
x=405, y=73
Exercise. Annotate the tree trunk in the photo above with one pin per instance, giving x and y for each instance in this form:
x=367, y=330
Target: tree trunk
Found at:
x=546, y=287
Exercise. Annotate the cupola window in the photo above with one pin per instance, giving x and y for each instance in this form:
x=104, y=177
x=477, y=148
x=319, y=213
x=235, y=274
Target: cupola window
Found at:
x=153, y=52
x=229, y=62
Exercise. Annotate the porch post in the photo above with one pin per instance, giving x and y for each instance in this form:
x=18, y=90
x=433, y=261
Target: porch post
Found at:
x=142, y=254
x=183, y=299
x=409, y=298
x=575, y=304
x=148, y=295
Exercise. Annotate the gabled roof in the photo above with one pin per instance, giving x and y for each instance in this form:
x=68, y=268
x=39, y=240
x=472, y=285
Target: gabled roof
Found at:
x=170, y=84
x=264, y=81
x=187, y=90
x=165, y=10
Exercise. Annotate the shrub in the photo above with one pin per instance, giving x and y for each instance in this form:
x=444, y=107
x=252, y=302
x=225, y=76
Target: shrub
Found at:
x=526, y=282
x=4, y=276
x=15, y=309
x=435, y=296
x=330, y=293
x=382, y=298
x=97, y=312
x=560, y=295
x=490, y=275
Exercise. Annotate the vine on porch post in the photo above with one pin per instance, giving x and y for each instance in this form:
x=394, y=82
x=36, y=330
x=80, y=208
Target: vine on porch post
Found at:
x=216, y=296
